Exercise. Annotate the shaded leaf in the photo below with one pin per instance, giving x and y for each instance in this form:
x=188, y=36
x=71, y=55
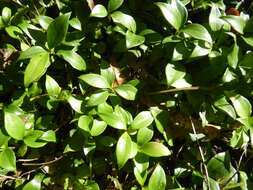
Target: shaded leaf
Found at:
x=174, y=72
x=124, y=19
x=133, y=40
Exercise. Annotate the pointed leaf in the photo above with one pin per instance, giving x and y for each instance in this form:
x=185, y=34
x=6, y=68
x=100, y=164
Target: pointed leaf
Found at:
x=8, y=160
x=76, y=104
x=133, y=40
x=98, y=127
x=224, y=105
x=143, y=119
x=52, y=86
x=241, y=104
x=233, y=56
x=48, y=136
x=32, y=139
x=85, y=122
x=158, y=179
x=155, y=149
x=215, y=22
x=95, y=80
x=44, y=21
x=14, y=126
x=57, y=30
x=237, y=22
x=98, y=97
x=197, y=31
x=123, y=149
x=248, y=40
x=99, y=11
x=113, y=120
x=144, y=135
x=174, y=72
x=126, y=91
x=125, y=20
x=114, y=4
x=34, y=184
x=32, y=51
x=36, y=68
x=74, y=59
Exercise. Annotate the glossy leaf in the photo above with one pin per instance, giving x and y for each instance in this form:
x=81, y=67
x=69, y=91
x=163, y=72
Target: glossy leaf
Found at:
x=237, y=22
x=224, y=105
x=143, y=119
x=197, y=31
x=133, y=40
x=14, y=32
x=246, y=61
x=123, y=149
x=76, y=104
x=48, y=136
x=98, y=127
x=52, y=86
x=113, y=120
x=85, y=122
x=213, y=185
x=114, y=4
x=34, y=184
x=214, y=21
x=174, y=72
x=99, y=11
x=175, y=13
x=75, y=23
x=14, y=126
x=157, y=179
x=107, y=72
x=74, y=59
x=155, y=149
x=36, y=68
x=32, y=51
x=124, y=19
x=233, y=56
x=97, y=98
x=126, y=91
x=6, y=14
x=248, y=40
x=44, y=21
x=144, y=135
x=57, y=30
x=95, y=80
x=8, y=160
x=32, y=139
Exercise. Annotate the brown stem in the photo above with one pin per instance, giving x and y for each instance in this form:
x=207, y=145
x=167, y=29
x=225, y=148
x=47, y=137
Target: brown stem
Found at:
x=43, y=163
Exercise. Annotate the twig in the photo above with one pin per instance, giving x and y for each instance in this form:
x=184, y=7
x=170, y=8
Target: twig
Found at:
x=35, y=8
x=214, y=126
x=41, y=95
x=181, y=89
x=27, y=160
x=31, y=171
x=201, y=154
x=43, y=163
x=237, y=170
x=7, y=177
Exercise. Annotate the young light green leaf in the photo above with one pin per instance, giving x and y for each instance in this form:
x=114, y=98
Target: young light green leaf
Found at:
x=14, y=126
x=98, y=127
x=52, y=86
x=8, y=160
x=155, y=149
x=175, y=13
x=233, y=56
x=99, y=11
x=85, y=122
x=215, y=22
x=97, y=98
x=113, y=120
x=44, y=21
x=36, y=68
x=144, y=135
x=126, y=91
x=133, y=40
x=241, y=104
x=140, y=176
x=57, y=30
x=32, y=51
x=124, y=19
x=14, y=32
x=197, y=31
x=107, y=72
x=34, y=184
x=114, y=4
x=48, y=136
x=6, y=15
x=75, y=23
x=74, y=59
x=123, y=149
x=95, y=80
x=143, y=119
x=76, y=104
x=158, y=179
x=32, y=139
x=224, y=105
x=237, y=22
x=174, y=72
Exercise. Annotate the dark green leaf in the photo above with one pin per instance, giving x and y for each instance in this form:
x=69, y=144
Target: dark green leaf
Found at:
x=233, y=56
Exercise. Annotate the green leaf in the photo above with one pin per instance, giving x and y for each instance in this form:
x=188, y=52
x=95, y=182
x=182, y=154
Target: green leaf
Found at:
x=76, y=104
x=224, y=105
x=144, y=135
x=98, y=127
x=143, y=119
x=175, y=13
x=155, y=149
x=97, y=98
x=213, y=185
x=36, y=68
x=44, y=21
x=52, y=86
x=233, y=56
x=74, y=59
x=34, y=184
x=32, y=51
x=125, y=115
x=85, y=122
x=14, y=126
x=125, y=20
x=246, y=61
x=114, y=4
x=57, y=30
x=133, y=40
x=99, y=11
x=248, y=40
x=158, y=179
x=123, y=149
x=75, y=23
x=48, y=136
x=237, y=22
x=14, y=32
x=197, y=31
x=107, y=72
x=8, y=160
x=174, y=72
x=32, y=139
x=241, y=104
x=126, y=91
x=95, y=80
x=215, y=22
x=113, y=120
x=6, y=15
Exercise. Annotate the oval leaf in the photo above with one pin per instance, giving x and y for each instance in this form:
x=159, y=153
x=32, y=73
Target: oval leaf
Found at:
x=32, y=51
x=52, y=86
x=44, y=21
x=14, y=126
x=113, y=120
x=237, y=22
x=197, y=31
x=6, y=15
x=158, y=179
x=57, y=30
x=74, y=59
x=99, y=11
x=242, y=105
x=174, y=72
x=144, y=135
x=114, y=4
x=223, y=104
x=32, y=139
x=124, y=19
x=98, y=127
x=133, y=40
x=36, y=68
x=126, y=91
x=155, y=149
x=85, y=122
x=97, y=98
x=143, y=119
x=95, y=80
x=123, y=149
x=8, y=160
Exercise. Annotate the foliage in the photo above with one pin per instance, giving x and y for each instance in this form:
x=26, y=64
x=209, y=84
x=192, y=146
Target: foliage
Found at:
x=126, y=94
